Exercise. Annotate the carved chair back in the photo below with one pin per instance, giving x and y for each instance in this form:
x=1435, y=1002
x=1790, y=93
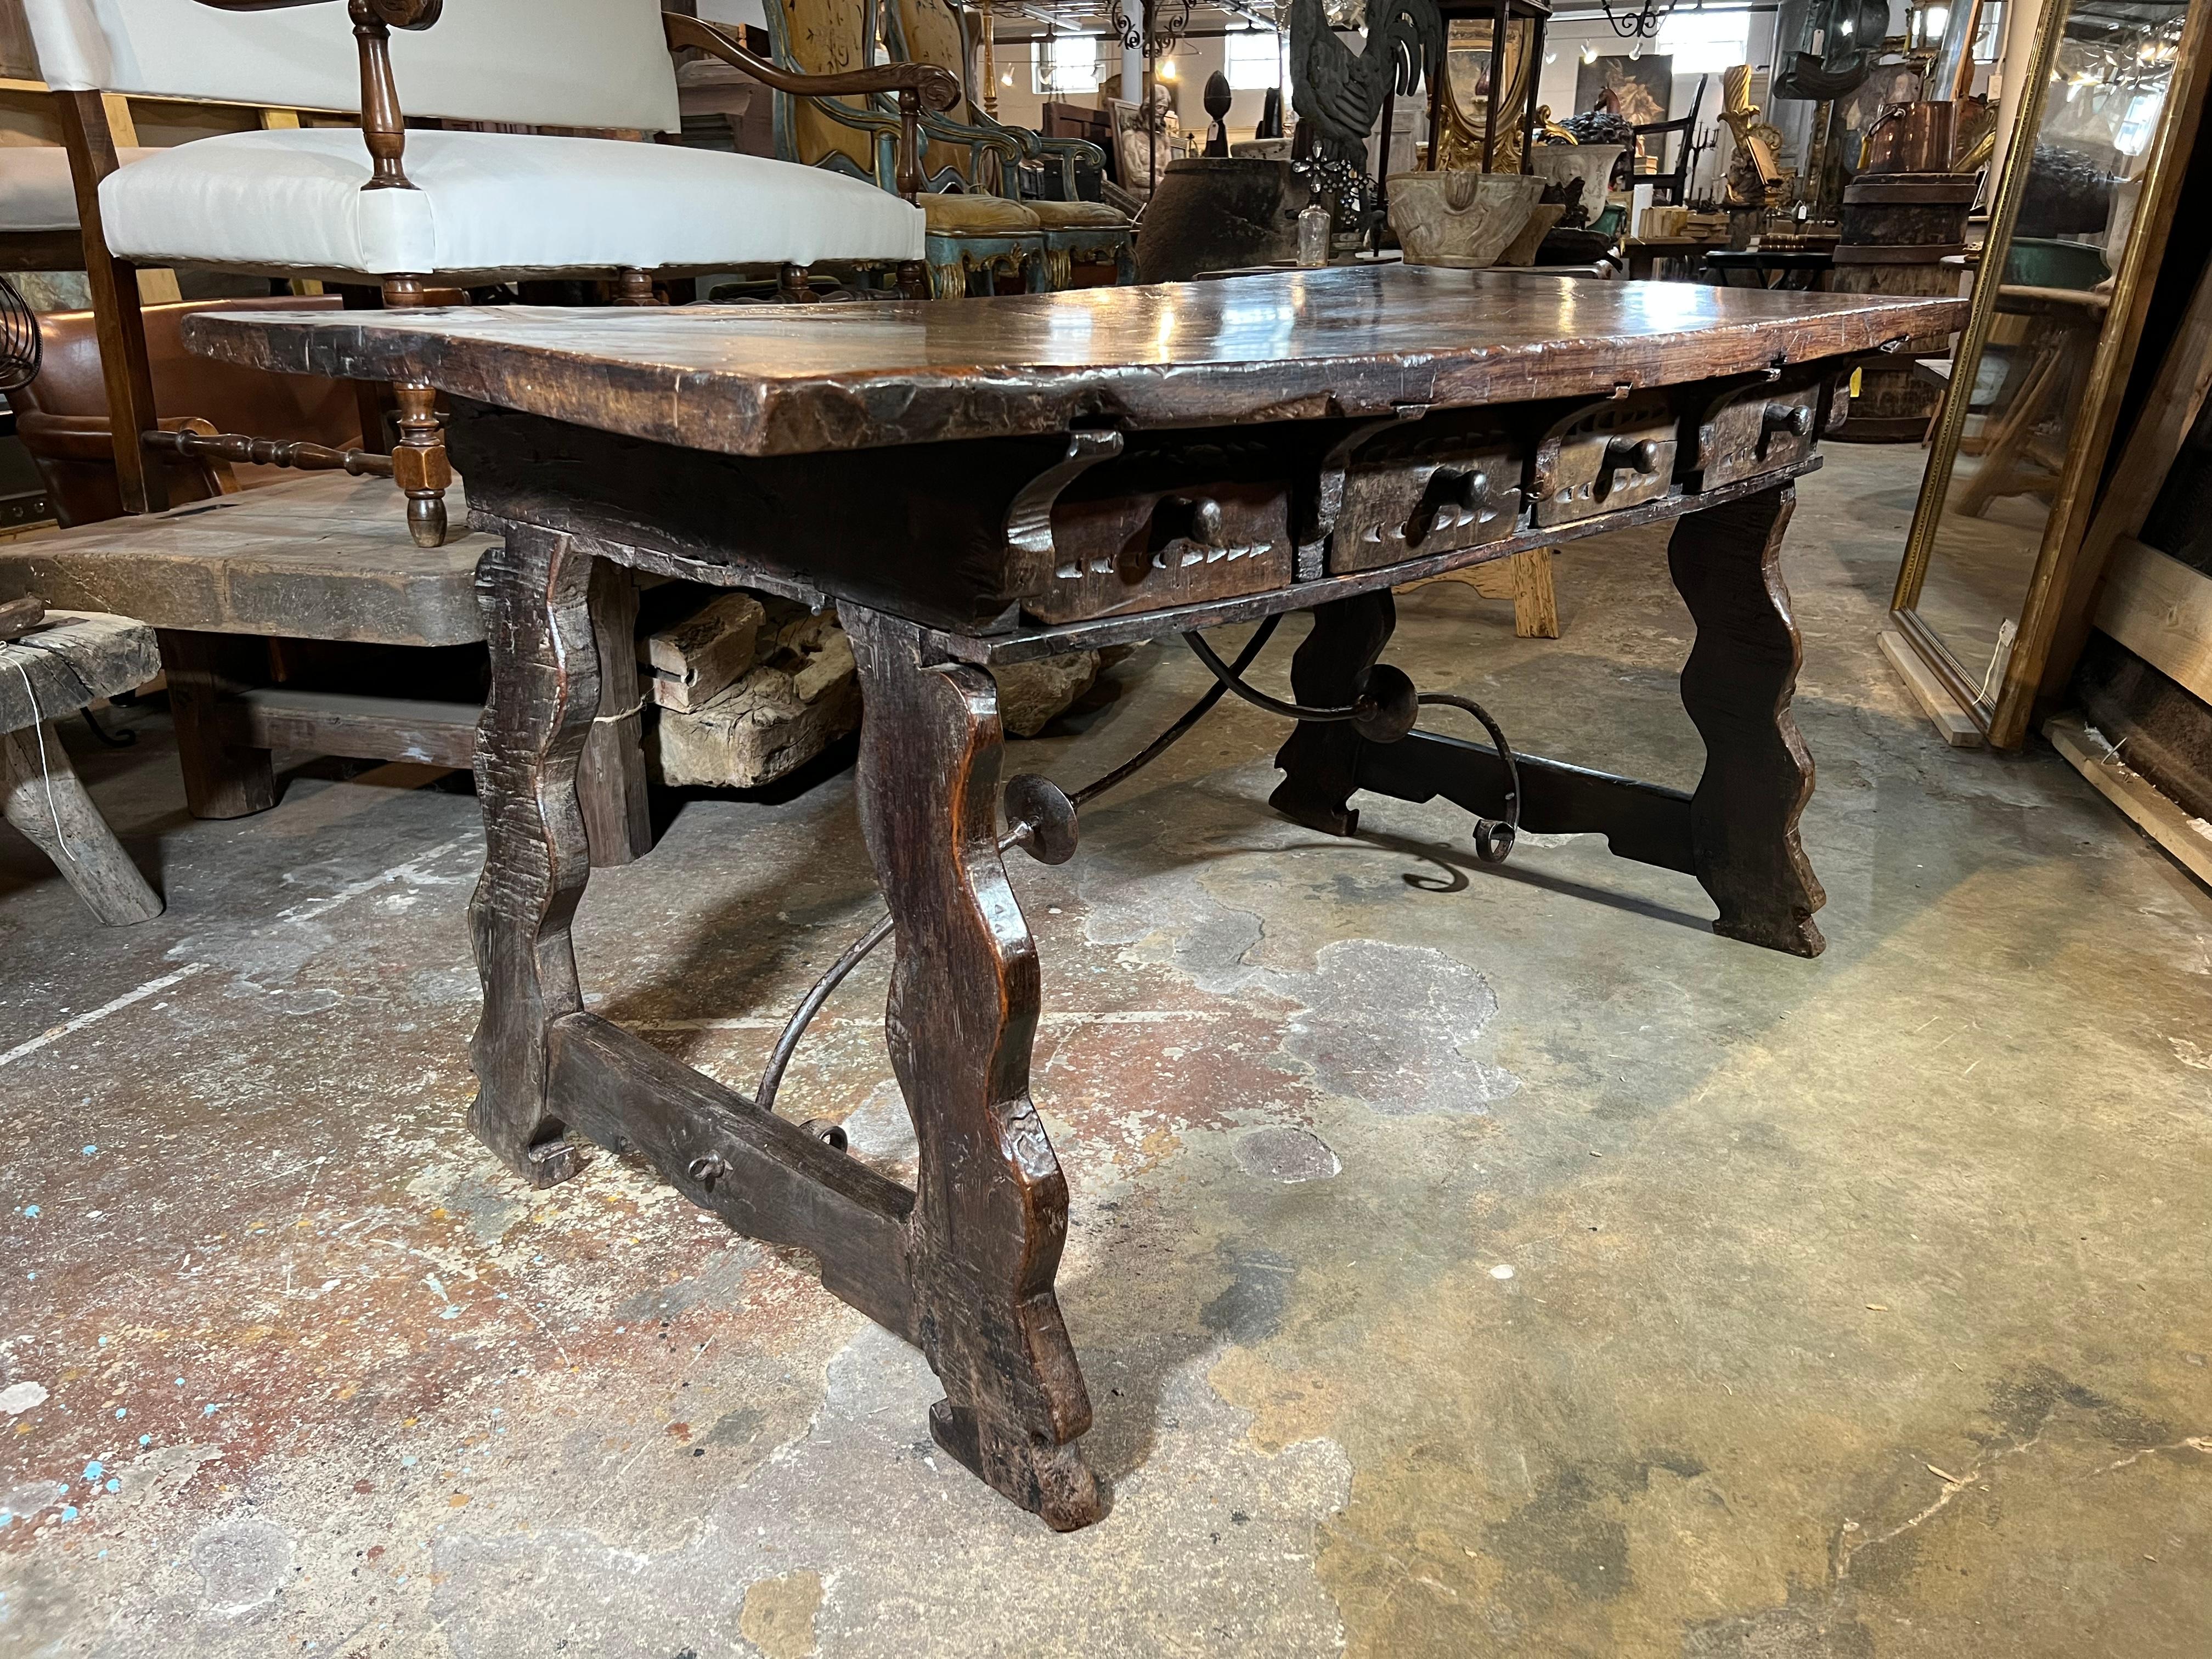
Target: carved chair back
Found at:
x=1670, y=185
x=588, y=63
x=931, y=32
x=823, y=37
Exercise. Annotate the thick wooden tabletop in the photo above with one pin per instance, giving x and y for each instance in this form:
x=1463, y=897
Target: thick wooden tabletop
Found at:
x=773, y=380
x=321, y=556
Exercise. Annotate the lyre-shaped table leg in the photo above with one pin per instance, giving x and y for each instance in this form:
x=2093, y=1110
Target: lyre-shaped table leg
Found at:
x=1726, y=562
x=991, y=1213
x=535, y=589
x=1322, y=760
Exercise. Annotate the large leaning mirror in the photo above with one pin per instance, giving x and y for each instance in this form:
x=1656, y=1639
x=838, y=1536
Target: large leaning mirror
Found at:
x=2076, y=226
x=1486, y=67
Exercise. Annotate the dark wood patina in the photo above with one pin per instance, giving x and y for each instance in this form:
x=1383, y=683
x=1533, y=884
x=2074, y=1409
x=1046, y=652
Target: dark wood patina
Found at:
x=987, y=483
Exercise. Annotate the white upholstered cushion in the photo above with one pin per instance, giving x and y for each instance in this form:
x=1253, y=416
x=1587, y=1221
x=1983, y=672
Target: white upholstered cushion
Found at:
x=490, y=205
x=35, y=190
x=535, y=63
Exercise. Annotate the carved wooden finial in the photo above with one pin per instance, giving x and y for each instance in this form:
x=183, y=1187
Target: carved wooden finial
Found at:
x=383, y=128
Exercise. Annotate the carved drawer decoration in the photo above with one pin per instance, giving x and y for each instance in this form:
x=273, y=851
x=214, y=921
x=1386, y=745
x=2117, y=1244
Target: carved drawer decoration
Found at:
x=1763, y=429
x=1415, y=491
x=1620, y=453
x=1167, y=526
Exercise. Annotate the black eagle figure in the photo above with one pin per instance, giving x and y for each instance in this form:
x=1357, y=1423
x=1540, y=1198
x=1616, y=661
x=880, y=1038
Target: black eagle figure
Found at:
x=1341, y=91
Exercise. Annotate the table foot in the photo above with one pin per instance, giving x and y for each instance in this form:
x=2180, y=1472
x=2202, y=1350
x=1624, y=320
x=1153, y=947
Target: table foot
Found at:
x=990, y=1215
x=1726, y=563
x=535, y=589
x=42, y=795
x=1051, y=1481
x=1321, y=761
x=222, y=780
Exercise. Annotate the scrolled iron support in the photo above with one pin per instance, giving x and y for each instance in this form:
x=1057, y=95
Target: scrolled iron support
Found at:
x=1042, y=818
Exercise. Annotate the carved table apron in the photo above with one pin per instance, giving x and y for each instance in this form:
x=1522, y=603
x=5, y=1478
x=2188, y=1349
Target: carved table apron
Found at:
x=1004, y=479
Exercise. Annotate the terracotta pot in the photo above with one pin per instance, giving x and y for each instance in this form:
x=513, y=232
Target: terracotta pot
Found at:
x=1463, y=220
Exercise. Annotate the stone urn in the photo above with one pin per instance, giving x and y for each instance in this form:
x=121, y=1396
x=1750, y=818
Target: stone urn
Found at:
x=1220, y=213
x=1561, y=164
x=1522, y=250
x=1463, y=220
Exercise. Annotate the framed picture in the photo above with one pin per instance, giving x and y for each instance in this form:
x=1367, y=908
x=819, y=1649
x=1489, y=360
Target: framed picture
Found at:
x=1642, y=86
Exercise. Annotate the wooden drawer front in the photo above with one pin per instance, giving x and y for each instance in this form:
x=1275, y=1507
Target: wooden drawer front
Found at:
x=1149, y=548
x=1614, y=457
x=1435, y=498
x=1762, y=430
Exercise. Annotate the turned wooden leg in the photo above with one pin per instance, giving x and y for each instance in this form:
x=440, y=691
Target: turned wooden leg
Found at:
x=535, y=590
x=634, y=288
x=222, y=780
x=991, y=1211
x=1348, y=635
x=792, y=285
x=1726, y=562
x=419, y=466
x=42, y=795
x=912, y=280
x=611, y=782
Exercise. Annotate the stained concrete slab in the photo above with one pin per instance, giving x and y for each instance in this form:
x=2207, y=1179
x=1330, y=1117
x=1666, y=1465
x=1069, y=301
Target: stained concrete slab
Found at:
x=1464, y=1261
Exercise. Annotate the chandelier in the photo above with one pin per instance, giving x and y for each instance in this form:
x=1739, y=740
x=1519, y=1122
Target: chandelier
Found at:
x=1155, y=36
x=1642, y=23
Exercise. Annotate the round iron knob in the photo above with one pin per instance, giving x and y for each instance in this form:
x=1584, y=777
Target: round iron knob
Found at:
x=1040, y=818
x=1638, y=455
x=1796, y=419
x=1205, y=522
x=1385, y=705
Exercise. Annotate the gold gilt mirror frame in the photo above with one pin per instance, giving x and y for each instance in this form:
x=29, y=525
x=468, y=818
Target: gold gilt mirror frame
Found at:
x=2000, y=700
x=1470, y=59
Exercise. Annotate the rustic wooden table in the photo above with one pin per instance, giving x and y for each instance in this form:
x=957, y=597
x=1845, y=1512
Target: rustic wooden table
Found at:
x=984, y=482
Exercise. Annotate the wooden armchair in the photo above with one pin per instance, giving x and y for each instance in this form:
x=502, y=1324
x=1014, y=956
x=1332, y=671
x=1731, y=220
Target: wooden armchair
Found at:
x=934, y=32
x=410, y=213
x=977, y=229
x=1671, y=188
x=62, y=416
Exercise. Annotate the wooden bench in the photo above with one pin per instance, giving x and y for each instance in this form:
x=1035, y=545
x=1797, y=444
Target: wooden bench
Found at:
x=69, y=660
x=322, y=558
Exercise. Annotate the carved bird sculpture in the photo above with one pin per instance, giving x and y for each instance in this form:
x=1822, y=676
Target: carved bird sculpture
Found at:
x=1341, y=91
x=1754, y=174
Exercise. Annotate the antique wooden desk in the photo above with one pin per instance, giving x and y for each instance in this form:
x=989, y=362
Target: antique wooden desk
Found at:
x=981, y=483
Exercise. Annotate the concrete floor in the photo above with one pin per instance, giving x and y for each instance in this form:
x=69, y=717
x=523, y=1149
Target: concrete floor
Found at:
x=1464, y=1262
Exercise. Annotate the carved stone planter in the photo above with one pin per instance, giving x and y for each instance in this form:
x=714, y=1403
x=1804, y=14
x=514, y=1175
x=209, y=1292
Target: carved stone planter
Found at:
x=1465, y=220
x=1522, y=250
x=1561, y=164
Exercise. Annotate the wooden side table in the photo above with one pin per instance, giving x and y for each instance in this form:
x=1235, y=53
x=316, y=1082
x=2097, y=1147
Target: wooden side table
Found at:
x=988, y=483
x=71, y=661
x=327, y=557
